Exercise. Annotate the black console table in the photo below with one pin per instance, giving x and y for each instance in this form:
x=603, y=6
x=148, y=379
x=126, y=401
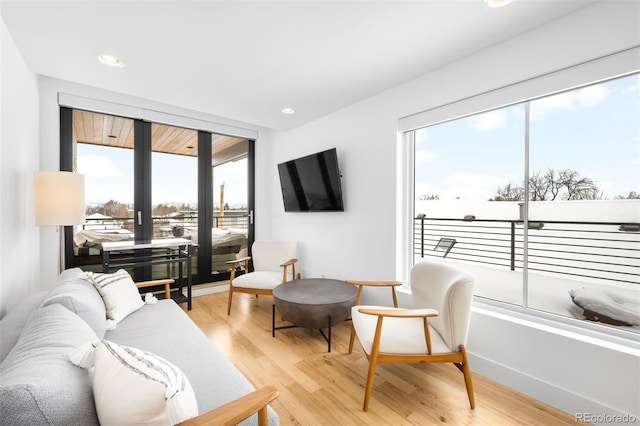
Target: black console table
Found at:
x=179, y=251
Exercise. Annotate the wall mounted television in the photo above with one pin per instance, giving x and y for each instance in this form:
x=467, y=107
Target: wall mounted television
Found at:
x=312, y=183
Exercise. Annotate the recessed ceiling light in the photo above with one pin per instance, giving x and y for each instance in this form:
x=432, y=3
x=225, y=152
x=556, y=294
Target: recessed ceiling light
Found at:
x=498, y=3
x=288, y=110
x=111, y=61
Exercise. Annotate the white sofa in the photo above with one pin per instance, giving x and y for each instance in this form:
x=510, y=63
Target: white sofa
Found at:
x=39, y=385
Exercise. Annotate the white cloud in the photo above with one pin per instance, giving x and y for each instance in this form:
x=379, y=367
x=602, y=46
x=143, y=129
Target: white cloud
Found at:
x=636, y=159
x=234, y=176
x=474, y=186
x=160, y=195
x=591, y=96
x=604, y=185
x=582, y=98
x=97, y=167
x=424, y=156
x=104, y=181
x=424, y=188
x=96, y=192
x=488, y=121
x=633, y=87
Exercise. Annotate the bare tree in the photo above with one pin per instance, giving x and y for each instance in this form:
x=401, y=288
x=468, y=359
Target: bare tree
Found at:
x=429, y=197
x=111, y=208
x=633, y=195
x=576, y=186
x=509, y=193
x=565, y=184
x=553, y=183
x=539, y=187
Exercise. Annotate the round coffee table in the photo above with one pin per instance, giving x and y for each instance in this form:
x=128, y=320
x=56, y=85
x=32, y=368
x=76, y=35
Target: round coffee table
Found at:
x=315, y=303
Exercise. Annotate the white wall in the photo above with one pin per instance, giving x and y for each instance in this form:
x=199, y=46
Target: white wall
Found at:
x=566, y=370
x=332, y=243
x=19, y=237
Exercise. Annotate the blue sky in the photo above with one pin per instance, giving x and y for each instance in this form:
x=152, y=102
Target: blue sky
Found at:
x=109, y=175
x=594, y=130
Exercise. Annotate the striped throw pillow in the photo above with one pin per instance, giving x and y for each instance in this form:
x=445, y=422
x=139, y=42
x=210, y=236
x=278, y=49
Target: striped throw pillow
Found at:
x=119, y=293
x=131, y=386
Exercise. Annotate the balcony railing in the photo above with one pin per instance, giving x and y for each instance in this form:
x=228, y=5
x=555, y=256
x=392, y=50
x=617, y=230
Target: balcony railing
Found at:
x=600, y=251
x=162, y=225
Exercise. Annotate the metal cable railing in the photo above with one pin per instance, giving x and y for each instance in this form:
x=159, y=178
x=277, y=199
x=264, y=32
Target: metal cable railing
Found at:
x=601, y=251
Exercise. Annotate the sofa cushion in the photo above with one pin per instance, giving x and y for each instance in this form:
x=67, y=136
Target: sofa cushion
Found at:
x=119, y=293
x=131, y=386
x=75, y=292
x=39, y=384
x=259, y=279
x=12, y=324
x=167, y=331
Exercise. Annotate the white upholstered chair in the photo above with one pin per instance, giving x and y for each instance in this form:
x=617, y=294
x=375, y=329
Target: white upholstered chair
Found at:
x=435, y=330
x=274, y=262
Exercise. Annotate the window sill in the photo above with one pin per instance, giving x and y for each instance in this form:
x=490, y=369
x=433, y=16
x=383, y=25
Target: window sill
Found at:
x=598, y=334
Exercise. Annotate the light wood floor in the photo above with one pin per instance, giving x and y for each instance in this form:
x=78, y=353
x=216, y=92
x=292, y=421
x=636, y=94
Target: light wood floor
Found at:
x=320, y=388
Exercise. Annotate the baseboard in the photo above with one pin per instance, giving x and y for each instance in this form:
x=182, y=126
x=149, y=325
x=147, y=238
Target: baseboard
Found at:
x=582, y=409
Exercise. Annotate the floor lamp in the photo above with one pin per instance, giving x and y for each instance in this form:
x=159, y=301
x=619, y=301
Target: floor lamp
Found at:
x=59, y=201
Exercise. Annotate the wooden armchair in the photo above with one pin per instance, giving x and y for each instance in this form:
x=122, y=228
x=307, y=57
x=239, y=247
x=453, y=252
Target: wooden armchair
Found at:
x=361, y=285
x=434, y=331
x=274, y=262
x=237, y=410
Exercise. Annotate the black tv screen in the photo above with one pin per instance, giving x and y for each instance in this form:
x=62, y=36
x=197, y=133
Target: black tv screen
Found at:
x=311, y=183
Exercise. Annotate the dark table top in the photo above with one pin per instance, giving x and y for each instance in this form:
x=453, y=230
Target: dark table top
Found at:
x=315, y=291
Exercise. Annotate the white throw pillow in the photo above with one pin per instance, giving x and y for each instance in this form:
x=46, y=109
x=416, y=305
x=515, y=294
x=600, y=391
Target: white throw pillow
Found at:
x=119, y=293
x=615, y=303
x=131, y=386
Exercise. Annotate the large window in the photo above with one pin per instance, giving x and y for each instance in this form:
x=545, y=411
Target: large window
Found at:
x=538, y=199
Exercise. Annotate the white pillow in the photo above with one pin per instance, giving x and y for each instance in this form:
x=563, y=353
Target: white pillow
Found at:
x=119, y=293
x=618, y=304
x=131, y=386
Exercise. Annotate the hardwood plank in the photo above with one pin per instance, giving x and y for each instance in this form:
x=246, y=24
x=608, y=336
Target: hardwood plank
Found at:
x=321, y=388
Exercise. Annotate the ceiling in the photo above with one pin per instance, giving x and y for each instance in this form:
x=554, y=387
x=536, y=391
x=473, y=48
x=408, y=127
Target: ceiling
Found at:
x=246, y=60
x=117, y=132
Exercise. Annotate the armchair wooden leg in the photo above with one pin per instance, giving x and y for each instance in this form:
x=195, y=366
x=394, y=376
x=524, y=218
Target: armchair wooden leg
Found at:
x=466, y=370
x=373, y=361
x=352, y=338
x=370, y=377
x=230, y=298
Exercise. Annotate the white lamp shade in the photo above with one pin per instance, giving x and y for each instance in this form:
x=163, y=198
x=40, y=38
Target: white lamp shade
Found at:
x=59, y=198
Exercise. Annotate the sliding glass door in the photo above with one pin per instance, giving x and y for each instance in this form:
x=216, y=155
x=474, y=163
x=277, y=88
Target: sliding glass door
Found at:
x=230, y=226
x=151, y=181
